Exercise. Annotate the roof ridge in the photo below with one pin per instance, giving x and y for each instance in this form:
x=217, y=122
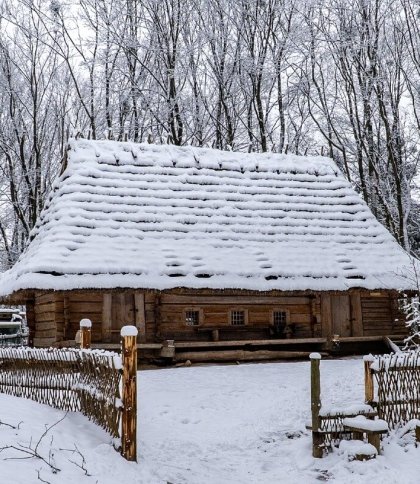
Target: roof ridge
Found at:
x=116, y=152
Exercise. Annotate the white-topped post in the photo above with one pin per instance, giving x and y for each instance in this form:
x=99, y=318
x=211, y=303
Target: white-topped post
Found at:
x=129, y=392
x=85, y=333
x=316, y=404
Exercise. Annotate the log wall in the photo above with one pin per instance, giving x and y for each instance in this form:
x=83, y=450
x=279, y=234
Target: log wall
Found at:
x=46, y=330
x=160, y=316
x=381, y=315
x=302, y=313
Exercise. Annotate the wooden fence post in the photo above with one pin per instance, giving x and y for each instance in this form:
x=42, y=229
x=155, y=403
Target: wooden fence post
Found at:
x=369, y=388
x=317, y=439
x=129, y=392
x=85, y=333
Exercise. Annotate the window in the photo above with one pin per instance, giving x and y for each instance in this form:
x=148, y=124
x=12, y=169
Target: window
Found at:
x=237, y=318
x=279, y=318
x=280, y=321
x=192, y=318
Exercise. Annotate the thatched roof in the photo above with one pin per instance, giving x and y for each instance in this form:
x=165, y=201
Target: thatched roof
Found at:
x=146, y=216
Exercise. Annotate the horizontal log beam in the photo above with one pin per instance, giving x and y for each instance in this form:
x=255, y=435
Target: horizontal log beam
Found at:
x=239, y=355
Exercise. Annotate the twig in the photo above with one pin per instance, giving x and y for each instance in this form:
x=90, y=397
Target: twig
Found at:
x=31, y=455
x=40, y=478
x=48, y=429
x=33, y=452
x=15, y=427
x=82, y=465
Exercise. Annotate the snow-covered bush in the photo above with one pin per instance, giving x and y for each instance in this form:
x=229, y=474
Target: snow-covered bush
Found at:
x=411, y=308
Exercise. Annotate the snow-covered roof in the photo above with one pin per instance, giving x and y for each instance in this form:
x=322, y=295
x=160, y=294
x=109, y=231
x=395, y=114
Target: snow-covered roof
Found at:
x=147, y=216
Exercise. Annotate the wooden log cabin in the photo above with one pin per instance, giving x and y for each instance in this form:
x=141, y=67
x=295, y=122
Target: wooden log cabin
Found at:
x=201, y=245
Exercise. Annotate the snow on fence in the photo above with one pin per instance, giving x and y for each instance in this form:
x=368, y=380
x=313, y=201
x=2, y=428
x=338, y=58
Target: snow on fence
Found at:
x=68, y=379
x=327, y=423
x=79, y=380
x=392, y=386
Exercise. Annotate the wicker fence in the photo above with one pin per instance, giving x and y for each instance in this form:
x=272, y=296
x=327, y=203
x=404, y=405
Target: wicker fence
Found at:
x=392, y=392
x=84, y=381
x=77, y=380
x=392, y=386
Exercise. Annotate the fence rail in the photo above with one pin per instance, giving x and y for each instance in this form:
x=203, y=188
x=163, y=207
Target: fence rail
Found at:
x=78, y=380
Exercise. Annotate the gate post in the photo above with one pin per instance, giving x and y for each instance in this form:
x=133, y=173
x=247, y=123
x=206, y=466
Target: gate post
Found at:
x=369, y=389
x=85, y=333
x=317, y=439
x=129, y=392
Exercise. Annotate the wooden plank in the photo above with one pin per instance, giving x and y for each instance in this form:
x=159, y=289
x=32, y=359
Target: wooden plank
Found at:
x=140, y=315
x=117, y=346
x=239, y=355
x=50, y=316
x=43, y=308
x=85, y=307
x=106, y=317
x=356, y=315
x=218, y=308
x=44, y=298
x=49, y=333
x=235, y=300
x=44, y=342
x=59, y=316
x=30, y=320
x=340, y=315
x=122, y=310
x=300, y=318
x=326, y=323
x=45, y=325
x=250, y=343
x=88, y=297
x=367, y=338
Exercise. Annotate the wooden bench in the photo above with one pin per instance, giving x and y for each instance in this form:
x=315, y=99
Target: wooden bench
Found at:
x=357, y=450
x=339, y=413
x=373, y=429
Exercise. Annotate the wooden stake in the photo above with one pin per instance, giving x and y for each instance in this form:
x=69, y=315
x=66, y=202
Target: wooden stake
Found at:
x=317, y=439
x=369, y=389
x=85, y=333
x=417, y=433
x=129, y=395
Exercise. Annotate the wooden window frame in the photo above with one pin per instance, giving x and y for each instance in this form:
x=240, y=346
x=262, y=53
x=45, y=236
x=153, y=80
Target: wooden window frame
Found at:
x=233, y=310
x=195, y=310
x=280, y=310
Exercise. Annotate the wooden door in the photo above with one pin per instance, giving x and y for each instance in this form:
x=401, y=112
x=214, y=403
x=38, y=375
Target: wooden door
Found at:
x=122, y=313
x=340, y=315
x=118, y=311
x=121, y=309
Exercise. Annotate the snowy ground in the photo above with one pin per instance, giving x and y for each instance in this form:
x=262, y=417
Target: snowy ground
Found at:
x=215, y=424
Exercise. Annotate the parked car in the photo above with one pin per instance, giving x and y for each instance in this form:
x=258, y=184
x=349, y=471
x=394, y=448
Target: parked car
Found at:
x=13, y=328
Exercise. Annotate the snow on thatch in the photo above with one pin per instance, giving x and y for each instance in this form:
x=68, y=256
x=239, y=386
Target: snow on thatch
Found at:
x=148, y=216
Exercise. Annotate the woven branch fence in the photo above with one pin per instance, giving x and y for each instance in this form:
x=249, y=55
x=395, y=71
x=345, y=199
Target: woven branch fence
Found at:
x=392, y=386
x=76, y=380
x=85, y=381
